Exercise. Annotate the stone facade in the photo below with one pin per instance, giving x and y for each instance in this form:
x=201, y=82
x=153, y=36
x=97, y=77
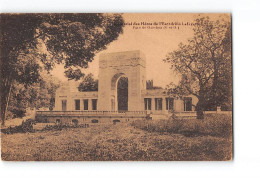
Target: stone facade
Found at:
x=112, y=67
x=68, y=94
x=168, y=103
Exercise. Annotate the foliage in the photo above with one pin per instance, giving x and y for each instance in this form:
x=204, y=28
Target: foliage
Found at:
x=219, y=125
x=38, y=95
x=204, y=65
x=74, y=39
x=32, y=42
x=26, y=126
x=75, y=122
x=60, y=126
x=88, y=84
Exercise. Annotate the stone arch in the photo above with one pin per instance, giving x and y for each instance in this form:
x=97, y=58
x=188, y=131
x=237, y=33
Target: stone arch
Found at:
x=115, y=79
x=114, y=89
x=112, y=66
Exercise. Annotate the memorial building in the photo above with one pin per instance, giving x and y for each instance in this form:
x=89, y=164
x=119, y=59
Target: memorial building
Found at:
x=122, y=94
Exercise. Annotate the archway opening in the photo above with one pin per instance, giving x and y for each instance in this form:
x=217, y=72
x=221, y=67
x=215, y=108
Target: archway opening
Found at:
x=122, y=94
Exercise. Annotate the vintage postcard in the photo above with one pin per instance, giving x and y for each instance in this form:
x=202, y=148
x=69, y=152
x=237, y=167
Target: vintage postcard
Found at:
x=116, y=87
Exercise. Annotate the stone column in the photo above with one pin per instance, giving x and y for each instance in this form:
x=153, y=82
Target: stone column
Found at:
x=153, y=101
x=81, y=104
x=163, y=105
x=90, y=104
x=175, y=105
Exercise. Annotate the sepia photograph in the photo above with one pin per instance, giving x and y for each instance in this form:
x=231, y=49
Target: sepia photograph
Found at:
x=116, y=87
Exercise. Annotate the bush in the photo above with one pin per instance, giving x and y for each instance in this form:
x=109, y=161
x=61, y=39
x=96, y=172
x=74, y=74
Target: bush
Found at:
x=75, y=122
x=26, y=126
x=59, y=127
x=219, y=125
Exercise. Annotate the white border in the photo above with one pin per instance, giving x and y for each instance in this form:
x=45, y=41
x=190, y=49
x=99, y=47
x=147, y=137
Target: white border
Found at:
x=246, y=62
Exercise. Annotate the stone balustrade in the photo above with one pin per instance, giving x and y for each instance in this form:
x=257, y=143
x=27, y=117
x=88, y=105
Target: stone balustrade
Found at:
x=86, y=113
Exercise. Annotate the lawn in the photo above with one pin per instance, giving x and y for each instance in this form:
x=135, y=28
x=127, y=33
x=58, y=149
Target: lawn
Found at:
x=109, y=142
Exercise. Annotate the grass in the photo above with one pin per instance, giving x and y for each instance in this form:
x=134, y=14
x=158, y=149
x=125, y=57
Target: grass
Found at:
x=219, y=125
x=113, y=142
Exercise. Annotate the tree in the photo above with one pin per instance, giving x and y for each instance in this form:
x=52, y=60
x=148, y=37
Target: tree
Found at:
x=204, y=65
x=38, y=95
x=42, y=94
x=88, y=84
x=69, y=39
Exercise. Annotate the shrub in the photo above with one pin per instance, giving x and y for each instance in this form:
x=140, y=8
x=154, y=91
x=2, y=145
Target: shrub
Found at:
x=58, y=127
x=75, y=122
x=219, y=125
x=26, y=126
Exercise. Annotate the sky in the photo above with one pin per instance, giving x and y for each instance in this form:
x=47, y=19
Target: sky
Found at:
x=154, y=43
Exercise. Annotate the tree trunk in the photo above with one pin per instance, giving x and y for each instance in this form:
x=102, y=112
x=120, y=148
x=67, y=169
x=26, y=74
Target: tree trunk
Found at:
x=200, y=109
x=214, y=97
x=6, y=106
